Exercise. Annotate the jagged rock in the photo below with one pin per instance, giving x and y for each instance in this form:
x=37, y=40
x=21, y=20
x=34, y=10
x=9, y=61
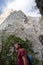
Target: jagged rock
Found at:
x=23, y=26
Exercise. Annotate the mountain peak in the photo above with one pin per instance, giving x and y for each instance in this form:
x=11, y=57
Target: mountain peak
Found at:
x=5, y=14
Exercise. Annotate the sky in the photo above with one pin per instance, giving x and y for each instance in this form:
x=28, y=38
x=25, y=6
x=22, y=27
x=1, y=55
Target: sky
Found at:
x=27, y=6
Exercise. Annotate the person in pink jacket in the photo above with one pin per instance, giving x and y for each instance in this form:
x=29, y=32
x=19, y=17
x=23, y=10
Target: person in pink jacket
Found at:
x=22, y=55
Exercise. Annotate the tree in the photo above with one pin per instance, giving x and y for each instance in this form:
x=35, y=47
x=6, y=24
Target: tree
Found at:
x=39, y=4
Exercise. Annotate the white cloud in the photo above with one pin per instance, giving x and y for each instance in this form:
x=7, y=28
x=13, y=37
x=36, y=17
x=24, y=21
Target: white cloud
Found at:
x=24, y=5
x=9, y=0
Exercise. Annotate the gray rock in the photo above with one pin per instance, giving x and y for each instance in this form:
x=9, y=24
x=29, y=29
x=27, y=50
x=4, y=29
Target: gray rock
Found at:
x=24, y=27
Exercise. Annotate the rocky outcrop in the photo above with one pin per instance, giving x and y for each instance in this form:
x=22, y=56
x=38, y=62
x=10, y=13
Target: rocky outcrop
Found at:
x=24, y=27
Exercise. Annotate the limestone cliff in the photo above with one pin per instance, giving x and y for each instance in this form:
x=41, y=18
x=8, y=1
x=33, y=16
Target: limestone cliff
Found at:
x=25, y=27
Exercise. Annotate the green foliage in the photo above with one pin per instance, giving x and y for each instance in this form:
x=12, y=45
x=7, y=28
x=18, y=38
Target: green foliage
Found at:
x=40, y=5
x=8, y=55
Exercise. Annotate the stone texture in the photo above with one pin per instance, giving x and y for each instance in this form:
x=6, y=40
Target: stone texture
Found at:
x=25, y=27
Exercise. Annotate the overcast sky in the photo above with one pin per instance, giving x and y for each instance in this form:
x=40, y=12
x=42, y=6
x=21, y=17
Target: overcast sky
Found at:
x=27, y=6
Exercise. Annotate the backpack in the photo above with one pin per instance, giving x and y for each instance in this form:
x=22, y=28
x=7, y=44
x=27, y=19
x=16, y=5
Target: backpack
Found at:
x=30, y=59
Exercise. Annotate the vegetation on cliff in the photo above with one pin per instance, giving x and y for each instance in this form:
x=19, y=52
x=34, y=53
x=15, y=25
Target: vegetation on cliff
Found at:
x=8, y=55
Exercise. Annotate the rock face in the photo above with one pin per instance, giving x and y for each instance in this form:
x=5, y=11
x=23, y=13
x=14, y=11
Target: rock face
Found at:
x=25, y=27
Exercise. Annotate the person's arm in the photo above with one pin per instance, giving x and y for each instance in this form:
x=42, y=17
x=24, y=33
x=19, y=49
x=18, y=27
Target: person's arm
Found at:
x=25, y=60
x=24, y=57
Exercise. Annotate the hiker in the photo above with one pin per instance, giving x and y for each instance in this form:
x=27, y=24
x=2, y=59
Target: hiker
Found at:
x=22, y=55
